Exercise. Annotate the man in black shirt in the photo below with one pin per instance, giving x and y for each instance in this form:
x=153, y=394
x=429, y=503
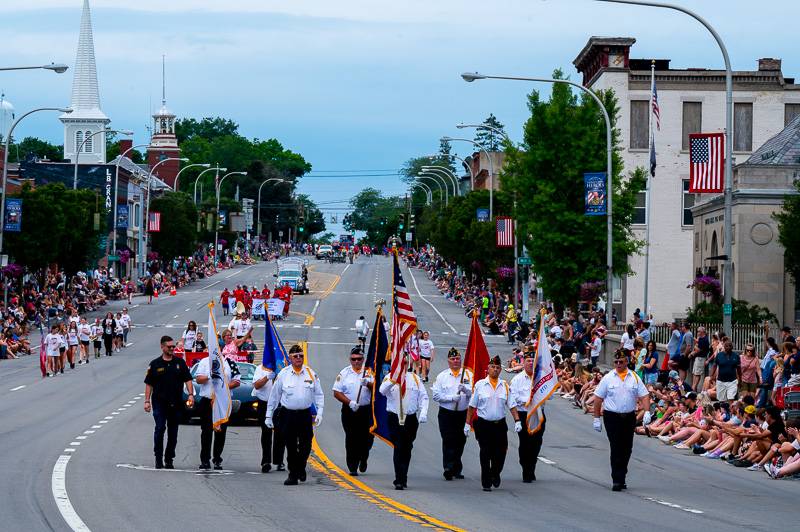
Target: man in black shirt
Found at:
x=163, y=393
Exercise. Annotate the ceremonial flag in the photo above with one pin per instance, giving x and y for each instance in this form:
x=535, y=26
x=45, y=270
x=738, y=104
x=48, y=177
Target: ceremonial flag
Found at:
x=505, y=232
x=378, y=361
x=544, y=384
x=275, y=357
x=220, y=391
x=476, y=357
x=404, y=324
x=154, y=222
x=706, y=162
x=42, y=354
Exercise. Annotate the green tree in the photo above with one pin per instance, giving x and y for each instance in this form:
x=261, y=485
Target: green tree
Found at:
x=378, y=216
x=33, y=148
x=788, y=219
x=487, y=138
x=113, y=149
x=563, y=138
x=207, y=128
x=312, y=220
x=178, y=233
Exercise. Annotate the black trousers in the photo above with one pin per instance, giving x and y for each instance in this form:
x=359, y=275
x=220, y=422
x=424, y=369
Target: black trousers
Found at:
x=166, y=417
x=492, y=439
x=529, y=447
x=357, y=438
x=107, y=338
x=271, y=439
x=297, y=430
x=207, y=434
x=402, y=438
x=451, y=428
x=619, y=430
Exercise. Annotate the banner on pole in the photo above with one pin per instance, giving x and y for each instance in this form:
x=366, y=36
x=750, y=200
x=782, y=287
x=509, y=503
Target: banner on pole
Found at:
x=258, y=307
x=595, y=193
x=13, y=221
x=122, y=216
x=275, y=306
x=482, y=215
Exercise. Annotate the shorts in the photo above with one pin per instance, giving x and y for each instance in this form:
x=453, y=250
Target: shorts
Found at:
x=85, y=343
x=98, y=344
x=62, y=350
x=748, y=387
x=727, y=391
x=699, y=366
x=650, y=378
x=683, y=362
x=423, y=357
x=362, y=338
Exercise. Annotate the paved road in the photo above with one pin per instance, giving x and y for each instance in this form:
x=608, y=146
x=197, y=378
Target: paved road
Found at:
x=88, y=428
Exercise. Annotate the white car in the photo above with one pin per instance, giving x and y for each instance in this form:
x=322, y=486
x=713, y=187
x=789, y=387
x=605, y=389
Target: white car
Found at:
x=323, y=251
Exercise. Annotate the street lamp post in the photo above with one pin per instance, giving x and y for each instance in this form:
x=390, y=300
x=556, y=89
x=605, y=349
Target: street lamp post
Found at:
x=83, y=142
x=443, y=170
x=463, y=162
x=216, y=224
x=258, y=226
x=175, y=184
x=491, y=171
x=143, y=234
x=727, y=319
x=424, y=188
x=472, y=76
x=217, y=169
x=116, y=186
x=58, y=68
x=433, y=177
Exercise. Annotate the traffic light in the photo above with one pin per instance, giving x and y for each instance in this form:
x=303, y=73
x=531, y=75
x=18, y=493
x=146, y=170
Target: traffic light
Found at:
x=301, y=228
x=411, y=221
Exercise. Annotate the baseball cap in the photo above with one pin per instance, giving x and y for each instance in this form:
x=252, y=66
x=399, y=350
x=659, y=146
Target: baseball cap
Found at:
x=673, y=374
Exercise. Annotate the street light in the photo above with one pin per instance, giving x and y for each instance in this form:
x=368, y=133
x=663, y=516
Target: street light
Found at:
x=433, y=177
x=446, y=172
x=175, y=184
x=472, y=76
x=727, y=319
x=491, y=170
x=5, y=163
x=258, y=227
x=217, y=168
x=80, y=148
x=216, y=224
x=423, y=188
x=143, y=238
x=463, y=162
x=116, y=185
x=58, y=68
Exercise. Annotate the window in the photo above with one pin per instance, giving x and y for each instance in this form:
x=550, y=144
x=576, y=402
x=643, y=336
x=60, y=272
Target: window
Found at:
x=87, y=146
x=639, y=124
x=791, y=110
x=742, y=127
x=692, y=121
x=697, y=241
x=136, y=214
x=616, y=289
x=78, y=140
x=688, y=203
x=640, y=208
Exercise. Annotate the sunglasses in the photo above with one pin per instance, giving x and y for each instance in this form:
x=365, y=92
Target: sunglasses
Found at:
x=296, y=355
x=620, y=362
x=356, y=359
x=170, y=346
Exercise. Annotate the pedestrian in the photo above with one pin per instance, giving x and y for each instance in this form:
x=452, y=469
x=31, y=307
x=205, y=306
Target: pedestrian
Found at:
x=119, y=333
x=298, y=393
x=205, y=388
x=529, y=444
x=163, y=394
x=415, y=410
x=353, y=388
x=52, y=342
x=84, y=334
x=452, y=390
x=362, y=330
x=619, y=391
x=149, y=289
x=426, y=353
x=727, y=373
x=126, y=326
x=200, y=344
x=109, y=325
x=97, y=337
x=489, y=402
x=511, y=323
x=223, y=300
x=73, y=343
x=190, y=336
x=62, y=347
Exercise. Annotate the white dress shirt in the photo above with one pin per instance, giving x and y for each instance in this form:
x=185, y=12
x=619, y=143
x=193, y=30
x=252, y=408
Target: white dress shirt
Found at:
x=620, y=394
x=263, y=392
x=445, y=389
x=415, y=400
x=349, y=381
x=296, y=390
x=205, y=389
x=521, y=390
x=491, y=402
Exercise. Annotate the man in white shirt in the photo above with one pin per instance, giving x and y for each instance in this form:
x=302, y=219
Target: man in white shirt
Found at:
x=353, y=388
x=452, y=390
x=298, y=391
x=240, y=326
x=415, y=410
x=490, y=400
x=262, y=387
x=362, y=330
x=205, y=388
x=529, y=444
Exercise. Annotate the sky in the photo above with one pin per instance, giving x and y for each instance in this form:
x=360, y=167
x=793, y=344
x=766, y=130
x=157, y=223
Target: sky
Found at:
x=355, y=86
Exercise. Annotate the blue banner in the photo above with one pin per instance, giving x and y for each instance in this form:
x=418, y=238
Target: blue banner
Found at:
x=377, y=360
x=13, y=221
x=483, y=215
x=595, y=193
x=122, y=216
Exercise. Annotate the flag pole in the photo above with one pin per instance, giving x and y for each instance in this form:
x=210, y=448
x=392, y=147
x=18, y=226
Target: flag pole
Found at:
x=648, y=193
x=379, y=303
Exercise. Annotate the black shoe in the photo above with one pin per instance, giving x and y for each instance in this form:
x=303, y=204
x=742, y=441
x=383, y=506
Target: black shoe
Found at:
x=362, y=466
x=159, y=464
x=218, y=466
x=399, y=486
x=616, y=487
x=62, y=371
x=487, y=488
x=290, y=482
x=205, y=465
x=72, y=365
x=698, y=449
x=458, y=476
x=302, y=476
x=448, y=475
x=280, y=467
x=353, y=473
x=496, y=481
x=168, y=464
x=624, y=486
x=266, y=468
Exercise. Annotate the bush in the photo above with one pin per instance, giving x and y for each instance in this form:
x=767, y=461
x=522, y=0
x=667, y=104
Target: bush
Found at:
x=743, y=313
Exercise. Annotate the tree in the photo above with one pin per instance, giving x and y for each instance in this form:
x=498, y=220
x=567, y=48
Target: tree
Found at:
x=312, y=220
x=487, y=138
x=32, y=148
x=113, y=149
x=378, y=216
x=207, y=128
x=178, y=232
x=563, y=138
x=788, y=219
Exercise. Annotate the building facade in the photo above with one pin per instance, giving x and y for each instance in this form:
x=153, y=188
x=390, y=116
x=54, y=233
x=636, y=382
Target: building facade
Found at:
x=691, y=100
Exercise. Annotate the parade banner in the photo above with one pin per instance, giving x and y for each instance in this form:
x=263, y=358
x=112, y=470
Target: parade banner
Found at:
x=275, y=307
x=595, y=193
x=122, y=216
x=545, y=382
x=232, y=305
x=13, y=221
x=258, y=307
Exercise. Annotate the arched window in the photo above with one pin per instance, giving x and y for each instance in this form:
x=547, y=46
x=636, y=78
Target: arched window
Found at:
x=78, y=140
x=87, y=147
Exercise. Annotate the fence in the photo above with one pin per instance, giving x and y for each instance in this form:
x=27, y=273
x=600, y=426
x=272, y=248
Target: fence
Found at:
x=740, y=336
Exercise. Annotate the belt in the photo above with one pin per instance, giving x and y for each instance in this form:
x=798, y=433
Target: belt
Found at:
x=619, y=413
x=496, y=421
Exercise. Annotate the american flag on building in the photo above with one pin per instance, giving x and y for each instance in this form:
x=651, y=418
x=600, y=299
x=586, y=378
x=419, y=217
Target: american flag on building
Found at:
x=706, y=162
x=505, y=232
x=154, y=222
x=404, y=325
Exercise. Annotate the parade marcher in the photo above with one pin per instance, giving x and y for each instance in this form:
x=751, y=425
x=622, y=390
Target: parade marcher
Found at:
x=296, y=390
x=415, y=410
x=84, y=333
x=426, y=352
x=109, y=325
x=620, y=390
x=529, y=444
x=97, y=337
x=163, y=394
x=52, y=342
x=353, y=388
x=73, y=343
x=126, y=326
x=62, y=347
x=223, y=300
x=362, y=330
x=452, y=389
x=263, y=379
x=490, y=400
x=207, y=432
x=190, y=336
x=119, y=333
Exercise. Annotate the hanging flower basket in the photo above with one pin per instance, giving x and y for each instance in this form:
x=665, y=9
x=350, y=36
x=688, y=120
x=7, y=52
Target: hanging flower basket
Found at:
x=13, y=270
x=592, y=290
x=503, y=272
x=124, y=256
x=708, y=286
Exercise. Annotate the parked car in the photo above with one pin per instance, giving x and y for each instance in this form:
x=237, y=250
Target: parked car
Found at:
x=323, y=251
x=243, y=404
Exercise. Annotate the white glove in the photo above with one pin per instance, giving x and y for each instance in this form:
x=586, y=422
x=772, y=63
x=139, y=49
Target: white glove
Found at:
x=597, y=425
x=353, y=406
x=268, y=423
x=647, y=417
x=462, y=388
x=317, y=420
x=423, y=419
x=518, y=426
x=366, y=381
x=467, y=428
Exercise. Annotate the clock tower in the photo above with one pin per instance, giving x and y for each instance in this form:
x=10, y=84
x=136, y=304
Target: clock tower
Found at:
x=164, y=142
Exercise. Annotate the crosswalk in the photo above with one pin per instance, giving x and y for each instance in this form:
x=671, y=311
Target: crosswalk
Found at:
x=261, y=326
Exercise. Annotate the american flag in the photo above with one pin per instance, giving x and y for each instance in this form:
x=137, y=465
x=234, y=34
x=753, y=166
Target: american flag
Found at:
x=706, y=162
x=154, y=222
x=404, y=324
x=505, y=232
x=656, y=108
x=657, y=115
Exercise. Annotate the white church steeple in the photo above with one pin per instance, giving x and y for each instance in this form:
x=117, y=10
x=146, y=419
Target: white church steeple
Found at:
x=86, y=117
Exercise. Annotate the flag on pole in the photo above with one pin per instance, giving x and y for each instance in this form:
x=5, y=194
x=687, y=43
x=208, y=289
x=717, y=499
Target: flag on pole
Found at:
x=706, y=162
x=544, y=384
x=378, y=361
x=154, y=222
x=220, y=391
x=476, y=357
x=275, y=357
x=656, y=118
x=505, y=232
x=404, y=324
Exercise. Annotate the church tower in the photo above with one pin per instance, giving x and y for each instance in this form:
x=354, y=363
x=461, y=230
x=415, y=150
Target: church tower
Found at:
x=164, y=143
x=86, y=117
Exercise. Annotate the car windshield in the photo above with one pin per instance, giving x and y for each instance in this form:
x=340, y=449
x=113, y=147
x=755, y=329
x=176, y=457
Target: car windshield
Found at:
x=290, y=273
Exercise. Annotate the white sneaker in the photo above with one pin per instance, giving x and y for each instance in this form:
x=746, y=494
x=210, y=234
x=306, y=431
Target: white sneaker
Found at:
x=664, y=439
x=769, y=469
x=754, y=467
